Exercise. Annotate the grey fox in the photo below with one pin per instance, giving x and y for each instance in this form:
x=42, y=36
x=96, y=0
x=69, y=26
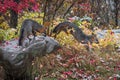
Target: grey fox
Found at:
x=78, y=34
x=29, y=27
x=64, y=26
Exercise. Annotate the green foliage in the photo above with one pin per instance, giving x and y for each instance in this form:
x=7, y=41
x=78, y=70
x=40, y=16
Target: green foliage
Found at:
x=33, y=15
x=8, y=34
x=2, y=33
x=77, y=22
x=108, y=42
x=85, y=22
x=64, y=39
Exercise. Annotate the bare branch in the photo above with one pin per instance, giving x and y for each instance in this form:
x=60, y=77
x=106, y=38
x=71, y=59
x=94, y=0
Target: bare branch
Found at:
x=57, y=8
x=45, y=11
x=69, y=8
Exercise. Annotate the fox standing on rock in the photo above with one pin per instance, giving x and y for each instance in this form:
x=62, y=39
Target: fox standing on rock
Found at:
x=29, y=27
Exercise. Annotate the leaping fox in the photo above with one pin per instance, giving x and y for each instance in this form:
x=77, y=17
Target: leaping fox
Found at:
x=77, y=32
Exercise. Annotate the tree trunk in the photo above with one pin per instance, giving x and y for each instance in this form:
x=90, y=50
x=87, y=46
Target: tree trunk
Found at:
x=117, y=12
x=13, y=19
x=107, y=11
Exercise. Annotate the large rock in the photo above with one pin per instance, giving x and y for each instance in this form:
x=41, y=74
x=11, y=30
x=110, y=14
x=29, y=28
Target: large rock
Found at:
x=17, y=61
x=101, y=34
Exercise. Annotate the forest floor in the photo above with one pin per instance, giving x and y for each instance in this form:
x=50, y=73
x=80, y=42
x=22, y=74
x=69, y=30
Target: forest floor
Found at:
x=74, y=62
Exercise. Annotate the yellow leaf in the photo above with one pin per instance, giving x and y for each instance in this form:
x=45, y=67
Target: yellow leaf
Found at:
x=84, y=22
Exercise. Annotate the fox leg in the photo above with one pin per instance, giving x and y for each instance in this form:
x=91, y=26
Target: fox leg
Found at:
x=34, y=34
x=21, y=37
x=89, y=47
x=44, y=34
x=29, y=39
x=56, y=34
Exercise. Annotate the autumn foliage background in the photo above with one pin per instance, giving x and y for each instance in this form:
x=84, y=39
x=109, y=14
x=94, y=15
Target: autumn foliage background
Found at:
x=73, y=61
